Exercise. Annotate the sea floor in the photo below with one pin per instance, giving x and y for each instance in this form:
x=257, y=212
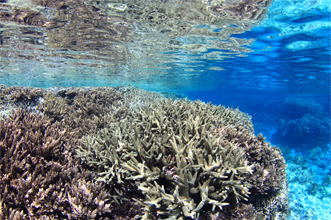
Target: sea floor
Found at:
x=309, y=185
x=309, y=181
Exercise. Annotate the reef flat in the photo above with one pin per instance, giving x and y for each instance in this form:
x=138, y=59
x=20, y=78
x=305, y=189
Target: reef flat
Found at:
x=125, y=153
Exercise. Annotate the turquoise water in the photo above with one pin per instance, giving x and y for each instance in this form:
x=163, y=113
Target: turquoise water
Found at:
x=273, y=65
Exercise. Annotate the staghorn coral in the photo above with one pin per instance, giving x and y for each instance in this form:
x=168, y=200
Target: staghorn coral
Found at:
x=237, y=212
x=25, y=95
x=15, y=97
x=39, y=178
x=65, y=189
x=54, y=107
x=26, y=144
x=269, y=171
x=185, y=159
x=134, y=97
x=268, y=182
x=243, y=211
x=87, y=110
x=84, y=110
x=4, y=91
x=20, y=96
x=56, y=185
x=5, y=107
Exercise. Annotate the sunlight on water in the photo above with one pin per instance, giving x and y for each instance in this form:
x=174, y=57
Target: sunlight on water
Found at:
x=150, y=43
x=120, y=42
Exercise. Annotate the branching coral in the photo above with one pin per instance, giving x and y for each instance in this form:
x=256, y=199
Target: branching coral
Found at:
x=20, y=96
x=182, y=156
x=269, y=171
x=39, y=177
x=175, y=159
x=237, y=212
x=84, y=111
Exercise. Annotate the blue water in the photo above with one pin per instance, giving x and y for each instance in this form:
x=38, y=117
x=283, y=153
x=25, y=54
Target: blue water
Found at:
x=281, y=78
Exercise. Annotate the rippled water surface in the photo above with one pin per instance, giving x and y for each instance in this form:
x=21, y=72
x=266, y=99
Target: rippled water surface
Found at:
x=173, y=45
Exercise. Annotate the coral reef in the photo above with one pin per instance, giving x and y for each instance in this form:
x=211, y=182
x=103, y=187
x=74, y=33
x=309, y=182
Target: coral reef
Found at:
x=293, y=108
x=241, y=211
x=169, y=95
x=187, y=159
x=20, y=96
x=84, y=110
x=38, y=177
x=269, y=170
x=136, y=98
x=25, y=95
x=105, y=153
x=15, y=97
x=302, y=124
x=309, y=184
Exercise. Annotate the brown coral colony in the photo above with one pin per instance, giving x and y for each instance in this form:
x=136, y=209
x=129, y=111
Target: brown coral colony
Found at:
x=92, y=154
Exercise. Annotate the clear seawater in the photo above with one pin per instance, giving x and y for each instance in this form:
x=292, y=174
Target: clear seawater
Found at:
x=275, y=68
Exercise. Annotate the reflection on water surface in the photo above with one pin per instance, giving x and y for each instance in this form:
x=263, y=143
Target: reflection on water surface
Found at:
x=121, y=40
